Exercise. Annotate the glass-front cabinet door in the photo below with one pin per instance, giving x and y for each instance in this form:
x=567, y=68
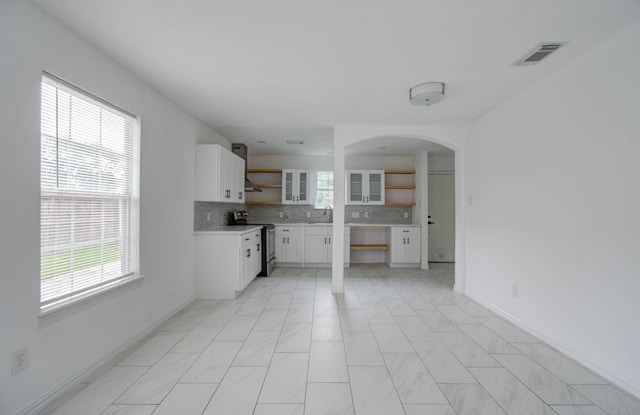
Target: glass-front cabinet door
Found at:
x=355, y=188
x=295, y=186
x=375, y=188
x=365, y=187
x=303, y=187
x=287, y=186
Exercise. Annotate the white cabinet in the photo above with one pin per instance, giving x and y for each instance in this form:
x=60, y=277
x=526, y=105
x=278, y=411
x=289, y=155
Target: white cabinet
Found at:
x=226, y=262
x=296, y=186
x=318, y=245
x=365, y=187
x=289, y=244
x=404, y=248
x=219, y=175
x=251, y=257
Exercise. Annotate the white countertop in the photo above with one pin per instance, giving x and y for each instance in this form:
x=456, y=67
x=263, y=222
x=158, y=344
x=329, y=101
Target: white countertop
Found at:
x=231, y=230
x=367, y=225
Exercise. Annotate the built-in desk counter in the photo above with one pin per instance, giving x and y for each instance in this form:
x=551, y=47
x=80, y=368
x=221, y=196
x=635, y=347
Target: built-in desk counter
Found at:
x=397, y=245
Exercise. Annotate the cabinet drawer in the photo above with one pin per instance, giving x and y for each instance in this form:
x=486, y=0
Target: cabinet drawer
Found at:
x=398, y=230
x=317, y=230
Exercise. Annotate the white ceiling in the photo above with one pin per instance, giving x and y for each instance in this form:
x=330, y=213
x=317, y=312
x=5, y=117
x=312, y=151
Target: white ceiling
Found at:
x=292, y=69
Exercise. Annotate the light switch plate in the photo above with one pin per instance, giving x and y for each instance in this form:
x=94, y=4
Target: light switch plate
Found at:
x=355, y=215
x=366, y=214
x=308, y=214
x=280, y=214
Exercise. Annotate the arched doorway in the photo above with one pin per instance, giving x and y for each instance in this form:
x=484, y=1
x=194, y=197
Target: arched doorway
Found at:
x=348, y=139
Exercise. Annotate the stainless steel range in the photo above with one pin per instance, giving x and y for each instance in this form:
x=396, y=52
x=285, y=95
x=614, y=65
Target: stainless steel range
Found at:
x=268, y=236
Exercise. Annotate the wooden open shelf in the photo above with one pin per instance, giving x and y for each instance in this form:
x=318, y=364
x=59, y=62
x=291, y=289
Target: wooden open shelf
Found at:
x=399, y=187
x=264, y=170
x=400, y=204
x=399, y=172
x=369, y=247
x=262, y=203
x=269, y=186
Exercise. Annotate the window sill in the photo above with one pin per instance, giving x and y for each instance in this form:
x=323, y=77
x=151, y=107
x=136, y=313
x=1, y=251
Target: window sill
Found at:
x=68, y=303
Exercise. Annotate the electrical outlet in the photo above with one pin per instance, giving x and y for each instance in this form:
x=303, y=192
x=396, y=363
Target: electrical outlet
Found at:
x=470, y=200
x=280, y=214
x=406, y=215
x=208, y=216
x=308, y=214
x=19, y=361
x=366, y=214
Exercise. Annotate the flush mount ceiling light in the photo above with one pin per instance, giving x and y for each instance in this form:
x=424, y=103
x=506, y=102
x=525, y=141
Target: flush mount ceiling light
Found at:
x=427, y=94
x=295, y=142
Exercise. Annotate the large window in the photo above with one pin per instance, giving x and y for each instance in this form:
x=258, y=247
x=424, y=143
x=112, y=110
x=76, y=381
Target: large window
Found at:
x=324, y=189
x=88, y=194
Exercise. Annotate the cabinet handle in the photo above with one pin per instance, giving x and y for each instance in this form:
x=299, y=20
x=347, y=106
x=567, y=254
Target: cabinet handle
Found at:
x=367, y=199
x=288, y=241
x=283, y=239
x=325, y=241
x=362, y=199
x=248, y=253
x=329, y=241
x=408, y=241
x=246, y=239
x=258, y=248
x=406, y=231
x=239, y=195
x=404, y=241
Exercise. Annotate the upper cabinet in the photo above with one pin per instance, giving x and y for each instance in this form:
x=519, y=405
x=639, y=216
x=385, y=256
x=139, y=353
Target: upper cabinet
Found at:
x=219, y=175
x=365, y=187
x=296, y=185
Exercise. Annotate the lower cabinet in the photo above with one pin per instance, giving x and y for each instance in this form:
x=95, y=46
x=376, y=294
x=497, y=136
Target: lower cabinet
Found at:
x=318, y=246
x=226, y=262
x=251, y=263
x=289, y=244
x=404, y=249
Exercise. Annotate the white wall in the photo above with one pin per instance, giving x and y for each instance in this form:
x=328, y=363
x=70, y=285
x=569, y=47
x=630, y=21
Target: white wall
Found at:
x=63, y=346
x=554, y=176
x=287, y=161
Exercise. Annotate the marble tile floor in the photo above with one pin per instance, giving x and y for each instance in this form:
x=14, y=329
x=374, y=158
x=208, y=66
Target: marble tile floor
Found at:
x=397, y=342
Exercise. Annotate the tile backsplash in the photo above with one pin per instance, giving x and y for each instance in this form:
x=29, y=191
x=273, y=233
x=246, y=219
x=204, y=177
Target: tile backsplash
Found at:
x=219, y=213
x=298, y=214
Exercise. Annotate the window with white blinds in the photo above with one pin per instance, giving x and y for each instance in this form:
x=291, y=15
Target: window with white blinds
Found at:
x=88, y=194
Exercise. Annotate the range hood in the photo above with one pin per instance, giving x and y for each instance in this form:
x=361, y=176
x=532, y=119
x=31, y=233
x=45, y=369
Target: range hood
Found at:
x=240, y=150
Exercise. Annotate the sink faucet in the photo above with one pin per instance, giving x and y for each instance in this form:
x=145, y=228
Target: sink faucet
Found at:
x=330, y=213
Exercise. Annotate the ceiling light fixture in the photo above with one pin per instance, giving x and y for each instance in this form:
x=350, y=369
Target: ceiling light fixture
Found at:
x=427, y=94
x=262, y=142
x=295, y=142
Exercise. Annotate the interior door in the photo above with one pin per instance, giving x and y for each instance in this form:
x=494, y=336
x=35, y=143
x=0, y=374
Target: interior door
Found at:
x=442, y=212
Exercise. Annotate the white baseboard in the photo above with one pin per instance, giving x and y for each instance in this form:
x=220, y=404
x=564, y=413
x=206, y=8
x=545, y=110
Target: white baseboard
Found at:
x=84, y=373
x=609, y=375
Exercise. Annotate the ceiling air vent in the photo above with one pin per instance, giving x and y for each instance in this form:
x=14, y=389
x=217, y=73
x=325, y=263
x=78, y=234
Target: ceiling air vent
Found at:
x=540, y=52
